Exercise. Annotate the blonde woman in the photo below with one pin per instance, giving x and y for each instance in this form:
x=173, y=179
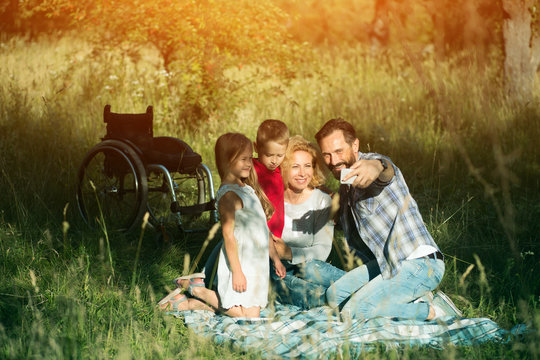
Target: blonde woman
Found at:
x=307, y=235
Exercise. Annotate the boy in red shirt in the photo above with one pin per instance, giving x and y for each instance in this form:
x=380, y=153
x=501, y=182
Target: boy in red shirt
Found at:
x=271, y=144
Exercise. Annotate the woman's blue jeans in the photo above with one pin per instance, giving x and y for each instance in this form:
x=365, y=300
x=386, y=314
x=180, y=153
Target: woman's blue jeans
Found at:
x=210, y=266
x=387, y=297
x=305, y=284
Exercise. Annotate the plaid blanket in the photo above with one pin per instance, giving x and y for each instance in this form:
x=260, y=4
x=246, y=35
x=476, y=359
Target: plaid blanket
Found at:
x=287, y=332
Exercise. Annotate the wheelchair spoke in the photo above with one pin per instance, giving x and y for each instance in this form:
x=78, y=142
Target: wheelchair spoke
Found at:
x=111, y=191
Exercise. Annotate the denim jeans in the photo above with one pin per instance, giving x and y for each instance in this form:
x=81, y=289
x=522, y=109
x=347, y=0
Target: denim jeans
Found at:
x=339, y=292
x=210, y=266
x=305, y=284
x=388, y=297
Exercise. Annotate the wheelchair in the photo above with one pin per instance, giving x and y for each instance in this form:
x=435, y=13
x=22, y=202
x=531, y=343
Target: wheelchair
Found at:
x=131, y=172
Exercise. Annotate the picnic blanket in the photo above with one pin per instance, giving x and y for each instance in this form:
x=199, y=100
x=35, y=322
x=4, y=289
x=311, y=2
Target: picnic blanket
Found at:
x=288, y=332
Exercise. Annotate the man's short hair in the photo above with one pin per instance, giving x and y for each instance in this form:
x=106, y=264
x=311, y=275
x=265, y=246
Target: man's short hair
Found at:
x=272, y=130
x=337, y=124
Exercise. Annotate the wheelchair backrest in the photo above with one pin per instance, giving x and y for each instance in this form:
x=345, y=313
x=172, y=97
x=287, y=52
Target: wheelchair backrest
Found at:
x=137, y=128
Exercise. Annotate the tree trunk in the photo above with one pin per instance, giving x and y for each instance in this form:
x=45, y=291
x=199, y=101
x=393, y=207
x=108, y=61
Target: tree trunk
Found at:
x=522, y=50
x=379, y=31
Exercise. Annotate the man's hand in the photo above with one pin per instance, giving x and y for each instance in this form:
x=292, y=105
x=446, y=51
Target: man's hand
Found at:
x=282, y=249
x=239, y=282
x=366, y=172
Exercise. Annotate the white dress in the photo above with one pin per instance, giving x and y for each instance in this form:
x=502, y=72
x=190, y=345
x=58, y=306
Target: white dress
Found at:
x=251, y=234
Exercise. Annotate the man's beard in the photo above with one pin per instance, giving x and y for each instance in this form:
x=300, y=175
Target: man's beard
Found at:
x=337, y=173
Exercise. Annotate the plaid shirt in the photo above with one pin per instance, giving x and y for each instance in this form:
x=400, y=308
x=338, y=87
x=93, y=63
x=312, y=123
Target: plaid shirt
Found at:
x=386, y=218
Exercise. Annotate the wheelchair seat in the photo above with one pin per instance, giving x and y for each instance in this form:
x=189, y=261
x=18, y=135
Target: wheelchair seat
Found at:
x=137, y=131
x=174, y=154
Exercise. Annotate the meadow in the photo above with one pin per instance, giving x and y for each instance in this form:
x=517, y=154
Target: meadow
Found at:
x=470, y=157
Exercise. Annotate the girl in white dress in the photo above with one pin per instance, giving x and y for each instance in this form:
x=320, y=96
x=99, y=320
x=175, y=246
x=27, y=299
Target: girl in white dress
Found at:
x=243, y=269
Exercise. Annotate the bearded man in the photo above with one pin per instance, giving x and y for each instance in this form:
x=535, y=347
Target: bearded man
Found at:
x=383, y=226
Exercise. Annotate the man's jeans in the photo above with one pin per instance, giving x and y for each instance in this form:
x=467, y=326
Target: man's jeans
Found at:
x=339, y=292
x=387, y=297
x=305, y=284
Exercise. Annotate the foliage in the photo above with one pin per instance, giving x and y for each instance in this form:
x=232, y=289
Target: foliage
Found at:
x=211, y=31
x=30, y=18
x=472, y=25
x=331, y=22
x=450, y=26
x=197, y=41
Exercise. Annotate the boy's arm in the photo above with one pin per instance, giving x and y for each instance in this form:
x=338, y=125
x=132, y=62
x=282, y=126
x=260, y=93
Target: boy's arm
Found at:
x=278, y=265
x=228, y=204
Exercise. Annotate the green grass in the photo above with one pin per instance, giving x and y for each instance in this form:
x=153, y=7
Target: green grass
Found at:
x=469, y=156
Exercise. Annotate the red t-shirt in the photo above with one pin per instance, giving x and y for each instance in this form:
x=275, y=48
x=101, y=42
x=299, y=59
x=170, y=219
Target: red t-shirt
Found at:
x=272, y=184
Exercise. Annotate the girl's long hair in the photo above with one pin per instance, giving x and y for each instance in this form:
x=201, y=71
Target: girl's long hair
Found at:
x=228, y=147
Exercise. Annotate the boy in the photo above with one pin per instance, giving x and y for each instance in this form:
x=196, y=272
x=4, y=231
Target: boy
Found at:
x=270, y=146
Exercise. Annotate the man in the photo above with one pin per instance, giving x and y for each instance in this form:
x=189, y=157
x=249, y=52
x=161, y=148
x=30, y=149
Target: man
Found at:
x=383, y=226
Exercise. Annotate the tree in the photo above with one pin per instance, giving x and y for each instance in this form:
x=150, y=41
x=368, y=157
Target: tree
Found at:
x=197, y=39
x=522, y=48
x=478, y=26
x=379, y=31
x=28, y=18
x=465, y=25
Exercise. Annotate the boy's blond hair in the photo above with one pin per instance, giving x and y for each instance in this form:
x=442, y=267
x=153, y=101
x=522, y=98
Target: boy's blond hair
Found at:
x=298, y=143
x=272, y=130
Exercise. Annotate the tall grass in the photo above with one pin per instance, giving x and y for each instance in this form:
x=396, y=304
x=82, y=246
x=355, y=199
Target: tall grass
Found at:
x=469, y=156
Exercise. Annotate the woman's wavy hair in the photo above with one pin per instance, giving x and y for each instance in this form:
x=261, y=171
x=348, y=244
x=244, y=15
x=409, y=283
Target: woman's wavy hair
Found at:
x=298, y=143
x=228, y=147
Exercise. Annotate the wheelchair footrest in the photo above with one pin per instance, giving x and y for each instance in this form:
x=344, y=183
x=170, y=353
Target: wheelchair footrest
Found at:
x=193, y=209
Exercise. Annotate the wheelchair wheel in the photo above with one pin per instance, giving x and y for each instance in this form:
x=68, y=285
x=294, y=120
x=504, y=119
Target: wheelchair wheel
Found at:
x=188, y=190
x=112, y=187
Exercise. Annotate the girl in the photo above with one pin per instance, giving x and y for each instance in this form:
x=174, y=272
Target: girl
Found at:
x=243, y=264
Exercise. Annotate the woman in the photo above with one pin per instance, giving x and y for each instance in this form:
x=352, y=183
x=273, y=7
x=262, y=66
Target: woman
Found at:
x=307, y=235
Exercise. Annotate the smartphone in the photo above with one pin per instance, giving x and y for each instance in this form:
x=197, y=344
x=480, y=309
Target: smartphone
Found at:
x=345, y=172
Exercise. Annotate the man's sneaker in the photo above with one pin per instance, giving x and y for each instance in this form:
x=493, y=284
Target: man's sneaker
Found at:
x=444, y=306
